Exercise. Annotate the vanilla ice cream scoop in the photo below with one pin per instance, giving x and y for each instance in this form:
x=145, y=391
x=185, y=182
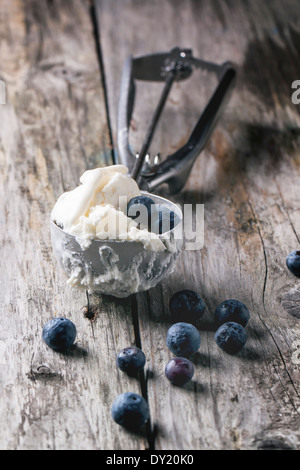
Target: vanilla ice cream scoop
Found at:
x=102, y=187
x=99, y=247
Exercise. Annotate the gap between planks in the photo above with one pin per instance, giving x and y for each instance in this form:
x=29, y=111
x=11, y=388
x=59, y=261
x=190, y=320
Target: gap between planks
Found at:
x=143, y=382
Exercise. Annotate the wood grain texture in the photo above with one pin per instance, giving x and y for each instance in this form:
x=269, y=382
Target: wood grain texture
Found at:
x=248, y=179
x=54, y=127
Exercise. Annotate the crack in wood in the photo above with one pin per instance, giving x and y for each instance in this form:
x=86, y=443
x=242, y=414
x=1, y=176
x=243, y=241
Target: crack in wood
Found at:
x=264, y=306
x=97, y=40
x=264, y=253
x=143, y=378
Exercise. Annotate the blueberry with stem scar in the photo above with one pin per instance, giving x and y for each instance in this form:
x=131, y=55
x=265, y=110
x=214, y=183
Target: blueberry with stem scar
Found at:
x=131, y=360
x=183, y=339
x=231, y=337
x=59, y=334
x=186, y=305
x=231, y=310
x=293, y=262
x=130, y=410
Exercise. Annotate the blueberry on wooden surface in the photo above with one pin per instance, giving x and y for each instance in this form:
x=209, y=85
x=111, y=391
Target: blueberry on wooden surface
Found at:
x=179, y=370
x=59, y=333
x=183, y=339
x=231, y=337
x=131, y=360
x=231, y=310
x=186, y=305
x=293, y=262
x=130, y=410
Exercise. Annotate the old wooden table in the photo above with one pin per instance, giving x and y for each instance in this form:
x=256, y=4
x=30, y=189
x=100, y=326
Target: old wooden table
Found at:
x=61, y=63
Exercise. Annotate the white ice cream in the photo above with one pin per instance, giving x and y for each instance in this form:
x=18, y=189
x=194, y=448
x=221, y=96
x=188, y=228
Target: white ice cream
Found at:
x=95, y=210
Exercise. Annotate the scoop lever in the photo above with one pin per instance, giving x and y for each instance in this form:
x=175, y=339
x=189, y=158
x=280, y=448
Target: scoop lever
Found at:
x=176, y=65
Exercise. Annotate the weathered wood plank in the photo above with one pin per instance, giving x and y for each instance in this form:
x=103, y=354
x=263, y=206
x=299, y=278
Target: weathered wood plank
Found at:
x=53, y=128
x=248, y=179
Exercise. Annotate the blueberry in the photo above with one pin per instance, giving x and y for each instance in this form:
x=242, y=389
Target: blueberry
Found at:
x=183, y=339
x=186, y=305
x=131, y=360
x=179, y=370
x=59, y=333
x=293, y=262
x=130, y=410
x=165, y=220
x=231, y=337
x=141, y=209
x=231, y=311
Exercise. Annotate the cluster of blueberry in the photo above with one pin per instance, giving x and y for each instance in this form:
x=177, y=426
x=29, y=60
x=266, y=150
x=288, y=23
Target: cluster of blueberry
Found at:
x=183, y=340
x=129, y=409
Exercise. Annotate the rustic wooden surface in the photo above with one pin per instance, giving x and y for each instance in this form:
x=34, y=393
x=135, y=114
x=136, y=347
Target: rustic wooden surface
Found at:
x=62, y=62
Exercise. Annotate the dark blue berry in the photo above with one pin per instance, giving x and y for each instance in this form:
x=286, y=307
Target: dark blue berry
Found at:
x=231, y=337
x=186, y=305
x=165, y=220
x=179, y=370
x=130, y=410
x=183, y=339
x=293, y=263
x=59, y=333
x=231, y=310
x=131, y=360
x=142, y=209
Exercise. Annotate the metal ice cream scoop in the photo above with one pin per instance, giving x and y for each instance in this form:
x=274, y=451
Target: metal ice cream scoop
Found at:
x=121, y=268
x=176, y=65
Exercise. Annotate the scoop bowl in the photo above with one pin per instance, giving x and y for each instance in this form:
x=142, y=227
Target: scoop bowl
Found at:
x=117, y=267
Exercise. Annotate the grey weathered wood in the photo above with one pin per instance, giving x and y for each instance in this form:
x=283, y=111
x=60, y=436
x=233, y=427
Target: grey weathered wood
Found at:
x=53, y=128
x=248, y=178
